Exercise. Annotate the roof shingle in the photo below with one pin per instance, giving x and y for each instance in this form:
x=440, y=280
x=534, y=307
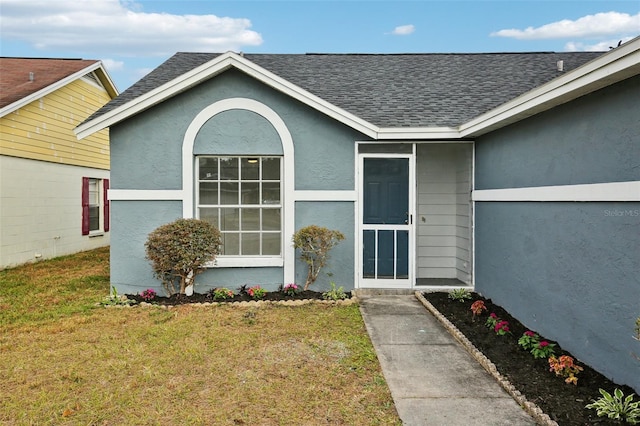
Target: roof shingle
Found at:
x=394, y=90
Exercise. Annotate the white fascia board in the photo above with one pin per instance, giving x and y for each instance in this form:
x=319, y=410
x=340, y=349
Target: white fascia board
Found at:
x=215, y=66
x=50, y=89
x=594, y=192
x=155, y=96
x=111, y=89
x=622, y=62
x=404, y=133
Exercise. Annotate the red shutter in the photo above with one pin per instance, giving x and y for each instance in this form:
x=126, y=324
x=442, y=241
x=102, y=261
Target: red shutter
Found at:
x=85, y=206
x=105, y=200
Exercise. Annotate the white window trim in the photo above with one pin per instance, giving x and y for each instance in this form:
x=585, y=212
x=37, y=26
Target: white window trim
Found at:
x=288, y=180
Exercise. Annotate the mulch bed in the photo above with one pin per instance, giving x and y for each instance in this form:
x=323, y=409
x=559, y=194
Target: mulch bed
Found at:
x=564, y=403
x=178, y=299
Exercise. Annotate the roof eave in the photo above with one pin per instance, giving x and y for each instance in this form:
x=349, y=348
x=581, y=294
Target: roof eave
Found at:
x=610, y=68
x=210, y=69
x=97, y=66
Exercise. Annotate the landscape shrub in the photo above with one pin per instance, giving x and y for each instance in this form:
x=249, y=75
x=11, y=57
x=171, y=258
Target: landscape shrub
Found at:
x=314, y=243
x=179, y=251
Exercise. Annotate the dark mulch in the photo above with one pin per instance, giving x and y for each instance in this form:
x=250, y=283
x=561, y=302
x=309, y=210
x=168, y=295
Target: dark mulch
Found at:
x=563, y=402
x=178, y=299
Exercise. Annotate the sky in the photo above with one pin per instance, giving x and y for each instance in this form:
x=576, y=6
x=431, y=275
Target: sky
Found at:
x=132, y=37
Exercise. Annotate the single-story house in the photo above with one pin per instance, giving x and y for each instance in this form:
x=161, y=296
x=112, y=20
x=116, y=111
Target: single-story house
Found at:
x=52, y=186
x=517, y=174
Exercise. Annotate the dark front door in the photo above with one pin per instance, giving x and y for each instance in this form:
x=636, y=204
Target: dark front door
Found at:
x=386, y=222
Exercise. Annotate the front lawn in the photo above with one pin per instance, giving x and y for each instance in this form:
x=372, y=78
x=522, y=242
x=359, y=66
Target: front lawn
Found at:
x=64, y=360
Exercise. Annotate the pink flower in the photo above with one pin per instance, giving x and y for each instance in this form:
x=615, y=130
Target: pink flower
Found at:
x=529, y=333
x=493, y=315
x=543, y=344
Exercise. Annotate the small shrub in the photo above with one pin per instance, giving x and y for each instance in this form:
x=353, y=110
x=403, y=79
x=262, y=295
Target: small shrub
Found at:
x=565, y=367
x=179, y=251
x=334, y=293
x=314, y=243
x=637, y=329
x=460, y=294
x=617, y=407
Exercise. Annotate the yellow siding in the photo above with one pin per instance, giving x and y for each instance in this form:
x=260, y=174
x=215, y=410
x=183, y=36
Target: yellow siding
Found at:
x=43, y=129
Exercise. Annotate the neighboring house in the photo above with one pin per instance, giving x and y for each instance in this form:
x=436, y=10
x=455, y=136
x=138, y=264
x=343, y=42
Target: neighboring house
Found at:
x=515, y=173
x=52, y=186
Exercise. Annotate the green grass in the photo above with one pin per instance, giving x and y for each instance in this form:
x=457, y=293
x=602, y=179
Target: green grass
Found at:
x=65, y=361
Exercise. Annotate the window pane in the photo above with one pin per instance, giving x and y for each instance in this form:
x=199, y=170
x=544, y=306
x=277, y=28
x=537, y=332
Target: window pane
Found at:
x=210, y=215
x=251, y=243
x=94, y=218
x=271, y=219
x=230, y=244
x=208, y=168
x=271, y=244
x=250, y=219
x=209, y=193
x=250, y=168
x=271, y=193
x=229, y=219
x=94, y=192
x=250, y=193
x=271, y=168
x=228, y=168
x=228, y=192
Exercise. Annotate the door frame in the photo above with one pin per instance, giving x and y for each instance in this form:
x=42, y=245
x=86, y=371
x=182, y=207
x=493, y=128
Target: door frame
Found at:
x=360, y=281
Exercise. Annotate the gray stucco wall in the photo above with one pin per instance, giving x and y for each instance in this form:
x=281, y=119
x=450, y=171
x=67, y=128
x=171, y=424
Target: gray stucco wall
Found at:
x=146, y=155
x=589, y=140
x=569, y=270
x=333, y=215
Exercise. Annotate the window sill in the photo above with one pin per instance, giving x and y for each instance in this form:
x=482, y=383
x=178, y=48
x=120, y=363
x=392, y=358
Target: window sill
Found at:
x=94, y=234
x=246, y=262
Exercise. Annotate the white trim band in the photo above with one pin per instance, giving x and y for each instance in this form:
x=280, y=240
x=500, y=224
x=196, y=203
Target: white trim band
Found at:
x=610, y=191
x=145, y=195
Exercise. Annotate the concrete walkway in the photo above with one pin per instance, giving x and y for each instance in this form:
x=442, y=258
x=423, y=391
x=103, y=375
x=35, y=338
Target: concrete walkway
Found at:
x=432, y=379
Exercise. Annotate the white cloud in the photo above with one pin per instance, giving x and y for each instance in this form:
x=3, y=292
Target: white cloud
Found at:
x=120, y=28
x=403, y=30
x=574, y=46
x=112, y=65
x=598, y=25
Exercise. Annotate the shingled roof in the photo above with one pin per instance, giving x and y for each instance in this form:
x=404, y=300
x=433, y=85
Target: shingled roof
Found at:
x=20, y=77
x=393, y=90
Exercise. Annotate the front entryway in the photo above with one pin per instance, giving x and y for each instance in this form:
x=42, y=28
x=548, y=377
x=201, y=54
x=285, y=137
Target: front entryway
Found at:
x=414, y=215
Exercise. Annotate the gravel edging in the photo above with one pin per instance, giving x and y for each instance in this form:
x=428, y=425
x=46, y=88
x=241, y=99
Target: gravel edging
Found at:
x=532, y=409
x=245, y=303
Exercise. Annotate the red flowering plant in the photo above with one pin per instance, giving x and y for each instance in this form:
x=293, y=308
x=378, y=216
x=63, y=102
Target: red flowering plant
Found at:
x=529, y=340
x=290, y=289
x=477, y=308
x=256, y=292
x=148, y=295
x=501, y=328
x=492, y=320
x=542, y=349
x=565, y=367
